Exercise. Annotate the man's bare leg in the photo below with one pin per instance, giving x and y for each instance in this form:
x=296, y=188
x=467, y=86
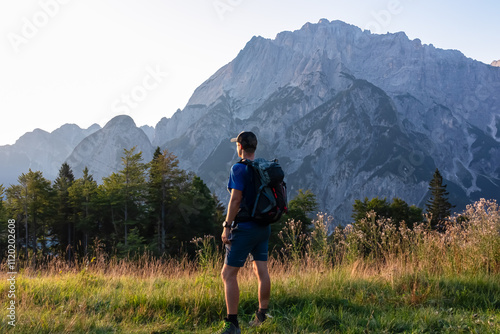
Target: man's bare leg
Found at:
x=229, y=276
x=262, y=273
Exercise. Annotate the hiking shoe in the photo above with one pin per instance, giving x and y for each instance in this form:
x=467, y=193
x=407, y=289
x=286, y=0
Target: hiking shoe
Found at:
x=259, y=319
x=229, y=328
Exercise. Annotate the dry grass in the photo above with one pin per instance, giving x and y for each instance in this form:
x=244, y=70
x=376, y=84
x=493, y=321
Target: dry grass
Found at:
x=470, y=243
x=414, y=280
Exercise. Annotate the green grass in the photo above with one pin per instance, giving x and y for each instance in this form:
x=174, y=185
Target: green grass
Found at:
x=417, y=281
x=340, y=300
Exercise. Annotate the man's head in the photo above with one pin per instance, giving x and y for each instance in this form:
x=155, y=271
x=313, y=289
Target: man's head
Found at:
x=247, y=141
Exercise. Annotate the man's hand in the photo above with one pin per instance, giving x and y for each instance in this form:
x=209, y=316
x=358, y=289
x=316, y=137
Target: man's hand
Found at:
x=225, y=236
x=232, y=210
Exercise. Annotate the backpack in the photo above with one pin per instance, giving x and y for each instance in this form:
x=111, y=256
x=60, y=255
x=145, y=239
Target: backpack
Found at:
x=270, y=192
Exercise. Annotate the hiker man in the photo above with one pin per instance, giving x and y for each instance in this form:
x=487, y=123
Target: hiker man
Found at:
x=244, y=237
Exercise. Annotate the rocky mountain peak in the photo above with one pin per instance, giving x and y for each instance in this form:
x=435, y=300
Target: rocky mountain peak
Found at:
x=349, y=114
x=32, y=138
x=101, y=152
x=121, y=121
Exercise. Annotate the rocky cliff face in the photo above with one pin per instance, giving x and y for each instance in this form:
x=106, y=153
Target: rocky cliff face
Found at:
x=349, y=114
x=495, y=63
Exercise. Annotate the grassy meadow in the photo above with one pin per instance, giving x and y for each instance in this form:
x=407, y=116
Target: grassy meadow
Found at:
x=384, y=279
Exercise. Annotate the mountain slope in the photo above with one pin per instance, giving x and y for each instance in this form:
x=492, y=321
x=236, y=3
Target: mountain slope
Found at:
x=101, y=152
x=349, y=114
x=40, y=150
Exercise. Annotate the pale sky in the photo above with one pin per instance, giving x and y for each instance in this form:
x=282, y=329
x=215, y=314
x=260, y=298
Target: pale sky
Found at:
x=86, y=61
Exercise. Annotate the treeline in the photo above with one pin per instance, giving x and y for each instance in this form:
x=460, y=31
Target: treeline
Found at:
x=438, y=207
x=156, y=207
x=153, y=206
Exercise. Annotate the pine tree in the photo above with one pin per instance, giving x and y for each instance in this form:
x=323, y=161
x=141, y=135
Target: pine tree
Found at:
x=134, y=187
x=124, y=193
x=83, y=194
x=164, y=187
x=30, y=201
x=194, y=216
x=438, y=205
x=64, y=220
x=110, y=198
x=123, y=196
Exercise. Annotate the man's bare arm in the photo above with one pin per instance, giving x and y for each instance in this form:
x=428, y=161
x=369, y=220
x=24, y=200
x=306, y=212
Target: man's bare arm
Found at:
x=232, y=210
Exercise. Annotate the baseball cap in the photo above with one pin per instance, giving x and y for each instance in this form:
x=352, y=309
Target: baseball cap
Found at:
x=247, y=139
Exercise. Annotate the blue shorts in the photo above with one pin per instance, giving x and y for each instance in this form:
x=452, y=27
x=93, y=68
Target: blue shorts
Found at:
x=247, y=238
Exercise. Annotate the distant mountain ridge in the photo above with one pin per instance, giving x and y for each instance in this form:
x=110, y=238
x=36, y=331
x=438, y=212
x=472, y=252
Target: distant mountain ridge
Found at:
x=101, y=151
x=40, y=150
x=348, y=113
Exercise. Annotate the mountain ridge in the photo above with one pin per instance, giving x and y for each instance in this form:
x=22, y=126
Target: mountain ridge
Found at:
x=349, y=114
x=431, y=90
x=101, y=151
x=40, y=150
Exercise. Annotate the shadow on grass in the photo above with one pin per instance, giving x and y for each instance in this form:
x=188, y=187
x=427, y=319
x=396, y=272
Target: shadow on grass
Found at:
x=480, y=295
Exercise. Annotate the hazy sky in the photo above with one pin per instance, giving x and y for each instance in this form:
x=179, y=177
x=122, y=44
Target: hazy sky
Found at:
x=86, y=61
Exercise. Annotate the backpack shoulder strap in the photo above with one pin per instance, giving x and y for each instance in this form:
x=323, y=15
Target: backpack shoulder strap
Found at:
x=243, y=161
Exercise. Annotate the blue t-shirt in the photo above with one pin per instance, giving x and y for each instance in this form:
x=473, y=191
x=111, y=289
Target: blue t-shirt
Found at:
x=241, y=178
